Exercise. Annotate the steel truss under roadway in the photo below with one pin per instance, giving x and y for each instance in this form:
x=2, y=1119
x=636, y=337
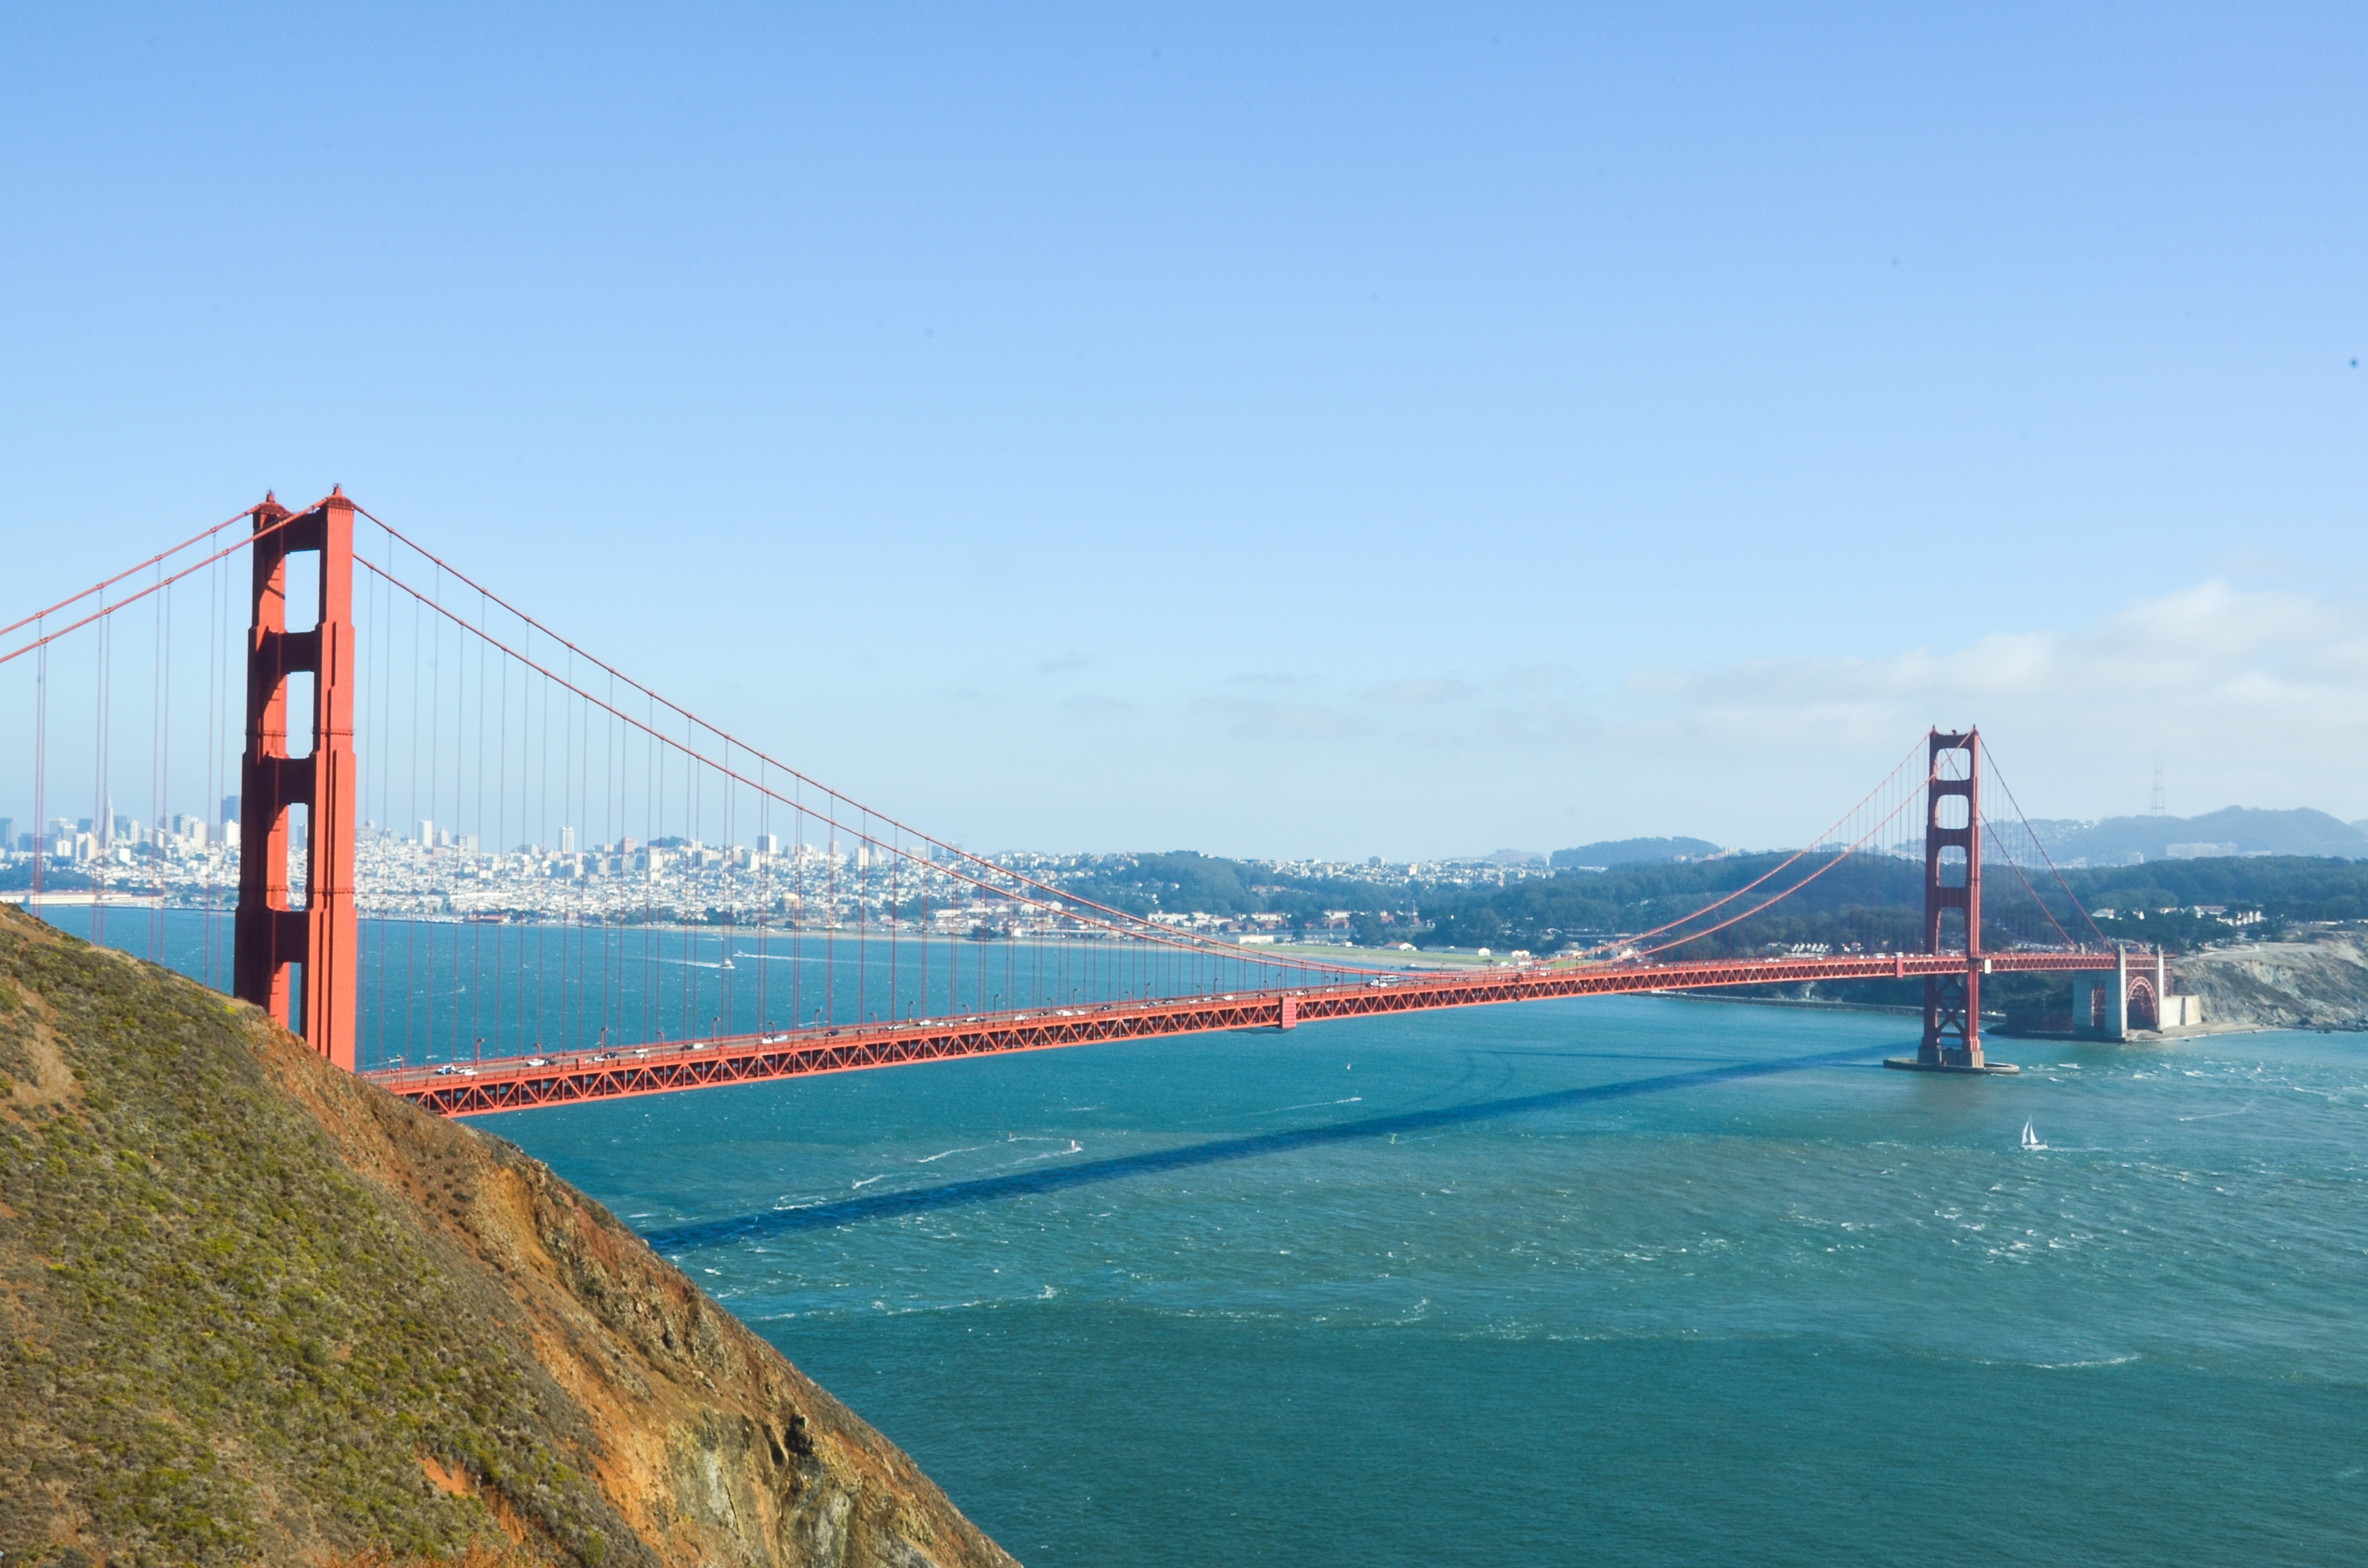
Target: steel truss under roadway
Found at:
x=514, y=1085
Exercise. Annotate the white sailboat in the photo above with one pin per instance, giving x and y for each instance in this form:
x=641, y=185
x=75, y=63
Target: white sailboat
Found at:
x=2031, y=1139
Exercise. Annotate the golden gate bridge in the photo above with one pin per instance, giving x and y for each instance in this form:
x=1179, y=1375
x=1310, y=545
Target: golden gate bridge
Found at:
x=679, y=909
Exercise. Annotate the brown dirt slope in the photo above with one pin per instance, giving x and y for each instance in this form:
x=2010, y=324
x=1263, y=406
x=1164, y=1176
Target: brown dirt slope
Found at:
x=2320, y=982
x=252, y=1310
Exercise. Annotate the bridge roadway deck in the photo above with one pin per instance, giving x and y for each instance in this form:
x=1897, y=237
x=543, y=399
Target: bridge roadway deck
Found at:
x=515, y=1083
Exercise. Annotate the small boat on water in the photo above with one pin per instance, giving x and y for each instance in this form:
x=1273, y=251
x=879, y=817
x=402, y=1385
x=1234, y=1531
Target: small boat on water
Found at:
x=2030, y=1139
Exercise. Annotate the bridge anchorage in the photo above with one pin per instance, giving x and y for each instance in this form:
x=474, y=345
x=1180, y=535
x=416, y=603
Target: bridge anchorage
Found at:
x=503, y=874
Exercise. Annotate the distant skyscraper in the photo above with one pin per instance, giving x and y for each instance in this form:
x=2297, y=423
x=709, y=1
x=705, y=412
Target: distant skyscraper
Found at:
x=230, y=809
x=426, y=835
x=567, y=841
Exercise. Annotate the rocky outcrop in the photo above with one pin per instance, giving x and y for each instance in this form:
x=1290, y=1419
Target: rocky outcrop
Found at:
x=255, y=1310
x=2321, y=982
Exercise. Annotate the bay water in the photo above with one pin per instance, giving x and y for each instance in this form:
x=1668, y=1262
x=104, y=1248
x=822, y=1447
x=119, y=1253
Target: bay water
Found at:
x=1627, y=1281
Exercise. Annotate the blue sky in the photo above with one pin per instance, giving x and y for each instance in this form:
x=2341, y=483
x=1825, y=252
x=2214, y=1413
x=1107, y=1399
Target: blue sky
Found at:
x=1269, y=430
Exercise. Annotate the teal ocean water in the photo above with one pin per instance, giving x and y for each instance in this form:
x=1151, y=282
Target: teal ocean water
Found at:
x=1475, y=1288
x=446, y=991
x=1629, y=1281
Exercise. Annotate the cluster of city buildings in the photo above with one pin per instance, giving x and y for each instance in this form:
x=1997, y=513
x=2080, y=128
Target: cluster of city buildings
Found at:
x=436, y=873
x=182, y=852
x=433, y=873
x=1397, y=874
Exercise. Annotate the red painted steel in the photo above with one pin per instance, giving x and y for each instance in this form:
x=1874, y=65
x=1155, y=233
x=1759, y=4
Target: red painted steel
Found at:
x=272, y=938
x=517, y=1084
x=269, y=936
x=1953, y=1001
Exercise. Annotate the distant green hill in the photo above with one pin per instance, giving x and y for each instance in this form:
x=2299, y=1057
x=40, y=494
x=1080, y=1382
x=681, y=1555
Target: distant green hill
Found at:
x=1544, y=913
x=1633, y=851
x=1877, y=904
x=2238, y=830
x=1181, y=880
x=1184, y=881
x=1646, y=883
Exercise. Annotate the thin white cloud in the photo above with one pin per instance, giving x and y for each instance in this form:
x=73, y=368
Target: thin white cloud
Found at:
x=1097, y=708
x=1301, y=722
x=1423, y=692
x=2249, y=696
x=1536, y=678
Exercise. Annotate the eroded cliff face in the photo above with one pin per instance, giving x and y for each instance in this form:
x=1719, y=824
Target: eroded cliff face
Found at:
x=258, y=1310
x=2317, y=983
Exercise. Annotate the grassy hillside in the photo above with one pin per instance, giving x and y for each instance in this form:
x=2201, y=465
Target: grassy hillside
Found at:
x=258, y=1311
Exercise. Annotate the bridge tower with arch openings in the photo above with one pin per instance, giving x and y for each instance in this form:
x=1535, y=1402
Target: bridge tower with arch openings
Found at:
x=1952, y=885
x=273, y=939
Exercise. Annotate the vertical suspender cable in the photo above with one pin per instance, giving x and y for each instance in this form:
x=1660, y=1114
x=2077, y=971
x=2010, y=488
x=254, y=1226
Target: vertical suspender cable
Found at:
x=103, y=809
x=160, y=699
x=41, y=758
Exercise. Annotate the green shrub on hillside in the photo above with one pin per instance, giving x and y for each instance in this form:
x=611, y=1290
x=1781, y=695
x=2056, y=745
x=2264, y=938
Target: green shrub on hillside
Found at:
x=226, y=1325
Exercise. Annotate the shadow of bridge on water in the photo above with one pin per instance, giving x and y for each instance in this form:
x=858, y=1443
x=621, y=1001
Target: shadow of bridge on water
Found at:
x=1089, y=1173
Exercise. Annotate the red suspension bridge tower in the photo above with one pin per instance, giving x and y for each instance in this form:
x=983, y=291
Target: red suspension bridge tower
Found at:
x=321, y=937
x=1953, y=882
